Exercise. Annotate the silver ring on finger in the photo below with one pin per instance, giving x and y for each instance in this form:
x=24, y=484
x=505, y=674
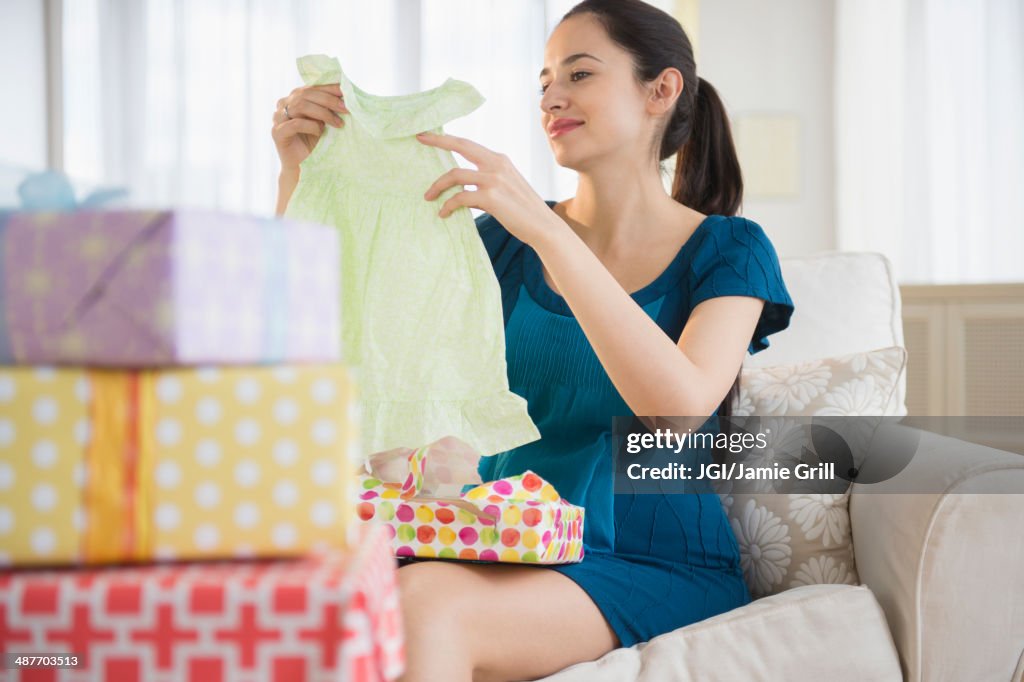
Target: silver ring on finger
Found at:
x=287, y=115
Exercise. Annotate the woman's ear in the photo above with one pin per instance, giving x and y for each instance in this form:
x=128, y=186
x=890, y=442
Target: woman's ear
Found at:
x=665, y=91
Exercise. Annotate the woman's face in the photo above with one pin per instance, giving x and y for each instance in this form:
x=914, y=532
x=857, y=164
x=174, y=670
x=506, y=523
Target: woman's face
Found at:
x=592, y=105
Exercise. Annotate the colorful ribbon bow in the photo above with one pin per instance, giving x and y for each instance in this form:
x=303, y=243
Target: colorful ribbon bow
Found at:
x=526, y=487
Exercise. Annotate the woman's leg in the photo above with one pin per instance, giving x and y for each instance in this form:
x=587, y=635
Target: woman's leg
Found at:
x=485, y=622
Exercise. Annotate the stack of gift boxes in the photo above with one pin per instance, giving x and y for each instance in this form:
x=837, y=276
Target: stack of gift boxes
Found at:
x=171, y=389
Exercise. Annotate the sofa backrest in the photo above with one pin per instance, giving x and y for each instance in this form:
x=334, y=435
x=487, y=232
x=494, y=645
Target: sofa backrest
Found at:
x=845, y=302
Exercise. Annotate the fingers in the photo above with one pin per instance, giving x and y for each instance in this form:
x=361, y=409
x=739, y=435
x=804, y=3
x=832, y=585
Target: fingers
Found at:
x=333, y=89
x=324, y=110
x=330, y=96
x=464, y=199
x=327, y=100
x=477, y=153
x=323, y=103
x=308, y=109
x=455, y=176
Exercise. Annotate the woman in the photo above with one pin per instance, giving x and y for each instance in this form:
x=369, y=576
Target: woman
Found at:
x=619, y=94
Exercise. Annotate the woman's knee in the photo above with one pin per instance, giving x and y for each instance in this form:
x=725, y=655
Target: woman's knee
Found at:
x=441, y=602
x=431, y=598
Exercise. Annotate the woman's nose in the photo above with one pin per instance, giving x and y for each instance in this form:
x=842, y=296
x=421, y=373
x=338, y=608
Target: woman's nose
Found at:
x=553, y=99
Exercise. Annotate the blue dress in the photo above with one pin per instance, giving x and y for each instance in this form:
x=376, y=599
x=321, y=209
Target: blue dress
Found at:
x=653, y=562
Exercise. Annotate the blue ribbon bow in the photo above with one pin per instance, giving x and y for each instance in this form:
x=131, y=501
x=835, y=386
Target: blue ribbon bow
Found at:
x=45, y=191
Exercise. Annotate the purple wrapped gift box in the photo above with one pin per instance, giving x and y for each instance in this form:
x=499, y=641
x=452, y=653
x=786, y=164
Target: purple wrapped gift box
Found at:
x=127, y=288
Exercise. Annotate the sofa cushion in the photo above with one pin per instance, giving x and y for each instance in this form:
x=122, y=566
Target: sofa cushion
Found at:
x=790, y=537
x=817, y=632
x=862, y=383
x=844, y=303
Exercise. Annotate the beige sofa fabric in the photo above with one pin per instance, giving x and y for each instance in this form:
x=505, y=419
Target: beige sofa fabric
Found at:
x=946, y=566
x=846, y=302
x=817, y=632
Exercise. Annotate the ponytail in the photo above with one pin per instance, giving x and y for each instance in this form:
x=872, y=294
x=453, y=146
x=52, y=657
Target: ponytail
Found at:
x=708, y=177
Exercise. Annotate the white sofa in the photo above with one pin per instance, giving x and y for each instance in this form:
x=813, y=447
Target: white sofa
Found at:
x=942, y=593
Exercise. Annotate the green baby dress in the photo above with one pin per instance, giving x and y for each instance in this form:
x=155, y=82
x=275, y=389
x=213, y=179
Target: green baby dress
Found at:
x=421, y=307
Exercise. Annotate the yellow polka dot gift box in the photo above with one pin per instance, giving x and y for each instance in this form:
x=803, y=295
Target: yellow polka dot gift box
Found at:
x=100, y=466
x=133, y=288
x=517, y=519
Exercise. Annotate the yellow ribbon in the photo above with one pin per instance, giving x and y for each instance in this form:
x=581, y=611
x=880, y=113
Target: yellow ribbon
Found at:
x=116, y=501
x=145, y=463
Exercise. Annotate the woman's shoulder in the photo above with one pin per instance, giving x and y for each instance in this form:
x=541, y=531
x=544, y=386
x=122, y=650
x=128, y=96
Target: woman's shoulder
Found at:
x=737, y=256
x=731, y=240
x=735, y=228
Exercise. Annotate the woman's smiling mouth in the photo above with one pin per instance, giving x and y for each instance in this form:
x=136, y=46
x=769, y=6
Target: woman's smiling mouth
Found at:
x=563, y=125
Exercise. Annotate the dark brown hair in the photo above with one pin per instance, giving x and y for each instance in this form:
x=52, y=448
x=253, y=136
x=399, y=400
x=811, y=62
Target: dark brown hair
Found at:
x=707, y=177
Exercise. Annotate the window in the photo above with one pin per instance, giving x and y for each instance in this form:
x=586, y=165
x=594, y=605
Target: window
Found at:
x=173, y=98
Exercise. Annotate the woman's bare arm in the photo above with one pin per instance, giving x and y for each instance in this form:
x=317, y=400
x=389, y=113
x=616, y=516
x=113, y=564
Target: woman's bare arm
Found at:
x=286, y=182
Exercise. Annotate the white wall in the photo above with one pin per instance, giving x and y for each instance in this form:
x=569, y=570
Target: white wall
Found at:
x=22, y=84
x=776, y=58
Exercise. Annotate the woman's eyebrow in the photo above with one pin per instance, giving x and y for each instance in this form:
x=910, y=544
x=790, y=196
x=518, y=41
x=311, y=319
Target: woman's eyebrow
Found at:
x=568, y=60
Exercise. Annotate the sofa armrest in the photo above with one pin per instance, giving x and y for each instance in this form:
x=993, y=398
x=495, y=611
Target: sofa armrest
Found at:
x=947, y=565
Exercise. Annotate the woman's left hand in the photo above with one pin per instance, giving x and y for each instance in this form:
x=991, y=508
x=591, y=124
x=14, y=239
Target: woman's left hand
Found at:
x=500, y=189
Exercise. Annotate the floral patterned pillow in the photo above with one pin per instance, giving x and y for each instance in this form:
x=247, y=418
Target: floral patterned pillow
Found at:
x=788, y=540
x=857, y=384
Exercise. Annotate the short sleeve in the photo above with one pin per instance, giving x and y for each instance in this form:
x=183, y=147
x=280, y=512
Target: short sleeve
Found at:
x=737, y=259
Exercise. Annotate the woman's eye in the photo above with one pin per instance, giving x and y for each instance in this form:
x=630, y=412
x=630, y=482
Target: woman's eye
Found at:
x=572, y=77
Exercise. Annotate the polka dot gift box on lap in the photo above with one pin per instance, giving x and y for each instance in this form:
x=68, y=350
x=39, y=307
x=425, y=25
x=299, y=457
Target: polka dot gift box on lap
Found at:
x=517, y=519
x=104, y=466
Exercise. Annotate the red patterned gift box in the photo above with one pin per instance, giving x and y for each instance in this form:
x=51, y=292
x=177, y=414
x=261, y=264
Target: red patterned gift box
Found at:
x=333, y=616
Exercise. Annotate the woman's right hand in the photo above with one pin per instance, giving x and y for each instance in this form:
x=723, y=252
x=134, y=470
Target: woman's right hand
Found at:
x=300, y=119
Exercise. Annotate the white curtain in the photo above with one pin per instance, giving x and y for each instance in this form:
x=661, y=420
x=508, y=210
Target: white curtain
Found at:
x=173, y=98
x=930, y=136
